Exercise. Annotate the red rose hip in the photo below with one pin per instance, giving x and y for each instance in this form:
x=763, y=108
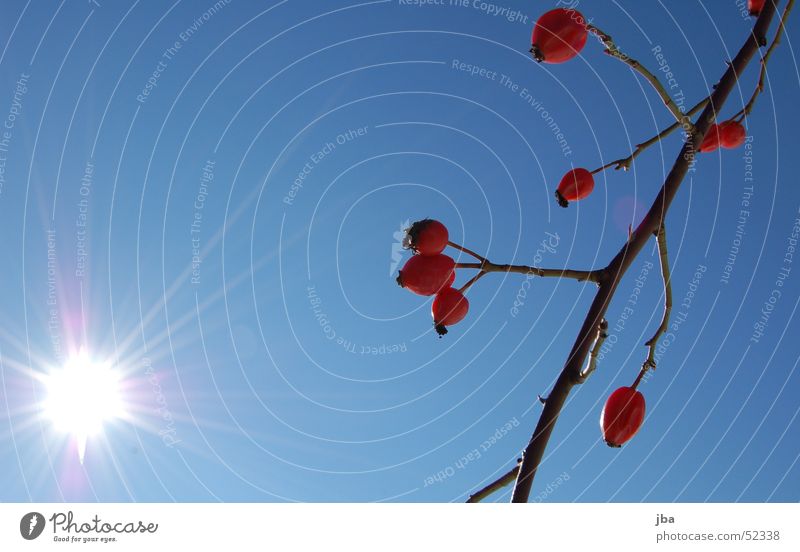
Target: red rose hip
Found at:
x=755, y=7
x=575, y=185
x=427, y=274
x=450, y=280
x=731, y=134
x=449, y=307
x=711, y=141
x=426, y=237
x=558, y=36
x=622, y=416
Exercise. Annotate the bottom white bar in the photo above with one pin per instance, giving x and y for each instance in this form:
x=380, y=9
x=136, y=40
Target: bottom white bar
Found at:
x=382, y=527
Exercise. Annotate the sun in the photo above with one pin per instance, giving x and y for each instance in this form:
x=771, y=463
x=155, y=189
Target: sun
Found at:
x=81, y=397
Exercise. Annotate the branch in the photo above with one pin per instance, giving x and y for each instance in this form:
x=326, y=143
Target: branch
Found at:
x=487, y=266
x=763, y=74
x=625, y=162
x=661, y=236
x=494, y=486
x=580, y=275
x=613, y=273
x=614, y=51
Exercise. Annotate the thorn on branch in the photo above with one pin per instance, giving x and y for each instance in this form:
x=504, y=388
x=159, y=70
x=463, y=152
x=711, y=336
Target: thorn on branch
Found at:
x=602, y=334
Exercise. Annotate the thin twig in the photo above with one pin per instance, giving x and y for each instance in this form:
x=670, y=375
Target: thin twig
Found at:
x=625, y=162
x=614, y=51
x=472, y=280
x=763, y=74
x=661, y=238
x=619, y=265
x=494, y=486
x=467, y=251
x=602, y=334
x=580, y=275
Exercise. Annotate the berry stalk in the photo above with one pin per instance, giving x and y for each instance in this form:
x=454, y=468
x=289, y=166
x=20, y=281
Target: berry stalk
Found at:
x=580, y=275
x=613, y=50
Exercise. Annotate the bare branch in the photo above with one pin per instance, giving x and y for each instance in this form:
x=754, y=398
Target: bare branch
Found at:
x=613, y=273
x=625, y=162
x=495, y=485
x=661, y=237
x=613, y=50
x=580, y=275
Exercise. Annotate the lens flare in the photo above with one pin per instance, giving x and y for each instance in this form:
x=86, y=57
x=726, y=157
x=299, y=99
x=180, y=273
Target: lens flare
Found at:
x=81, y=397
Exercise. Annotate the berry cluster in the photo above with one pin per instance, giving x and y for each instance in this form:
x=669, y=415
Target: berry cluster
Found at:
x=430, y=272
x=558, y=36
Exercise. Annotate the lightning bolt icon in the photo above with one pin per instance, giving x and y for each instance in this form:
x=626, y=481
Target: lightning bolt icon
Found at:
x=34, y=522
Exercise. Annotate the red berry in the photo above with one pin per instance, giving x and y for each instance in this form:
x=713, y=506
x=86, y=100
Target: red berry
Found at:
x=575, y=185
x=731, y=134
x=558, y=36
x=449, y=307
x=427, y=274
x=622, y=416
x=711, y=141
x=426, y=237
x=755, y=6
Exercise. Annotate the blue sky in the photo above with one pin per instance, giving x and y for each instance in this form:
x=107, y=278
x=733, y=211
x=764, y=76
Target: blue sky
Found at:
x=220, y=187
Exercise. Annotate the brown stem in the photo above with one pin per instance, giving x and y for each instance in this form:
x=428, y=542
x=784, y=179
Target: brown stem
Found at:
x=467, y=251
x=639, y=377
x=625, y=162
x=580, y=275
x=613, y=273
x=472, y=280
x=495, y=485
x=613, y=50
x=650, y=362
x=661, y=237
